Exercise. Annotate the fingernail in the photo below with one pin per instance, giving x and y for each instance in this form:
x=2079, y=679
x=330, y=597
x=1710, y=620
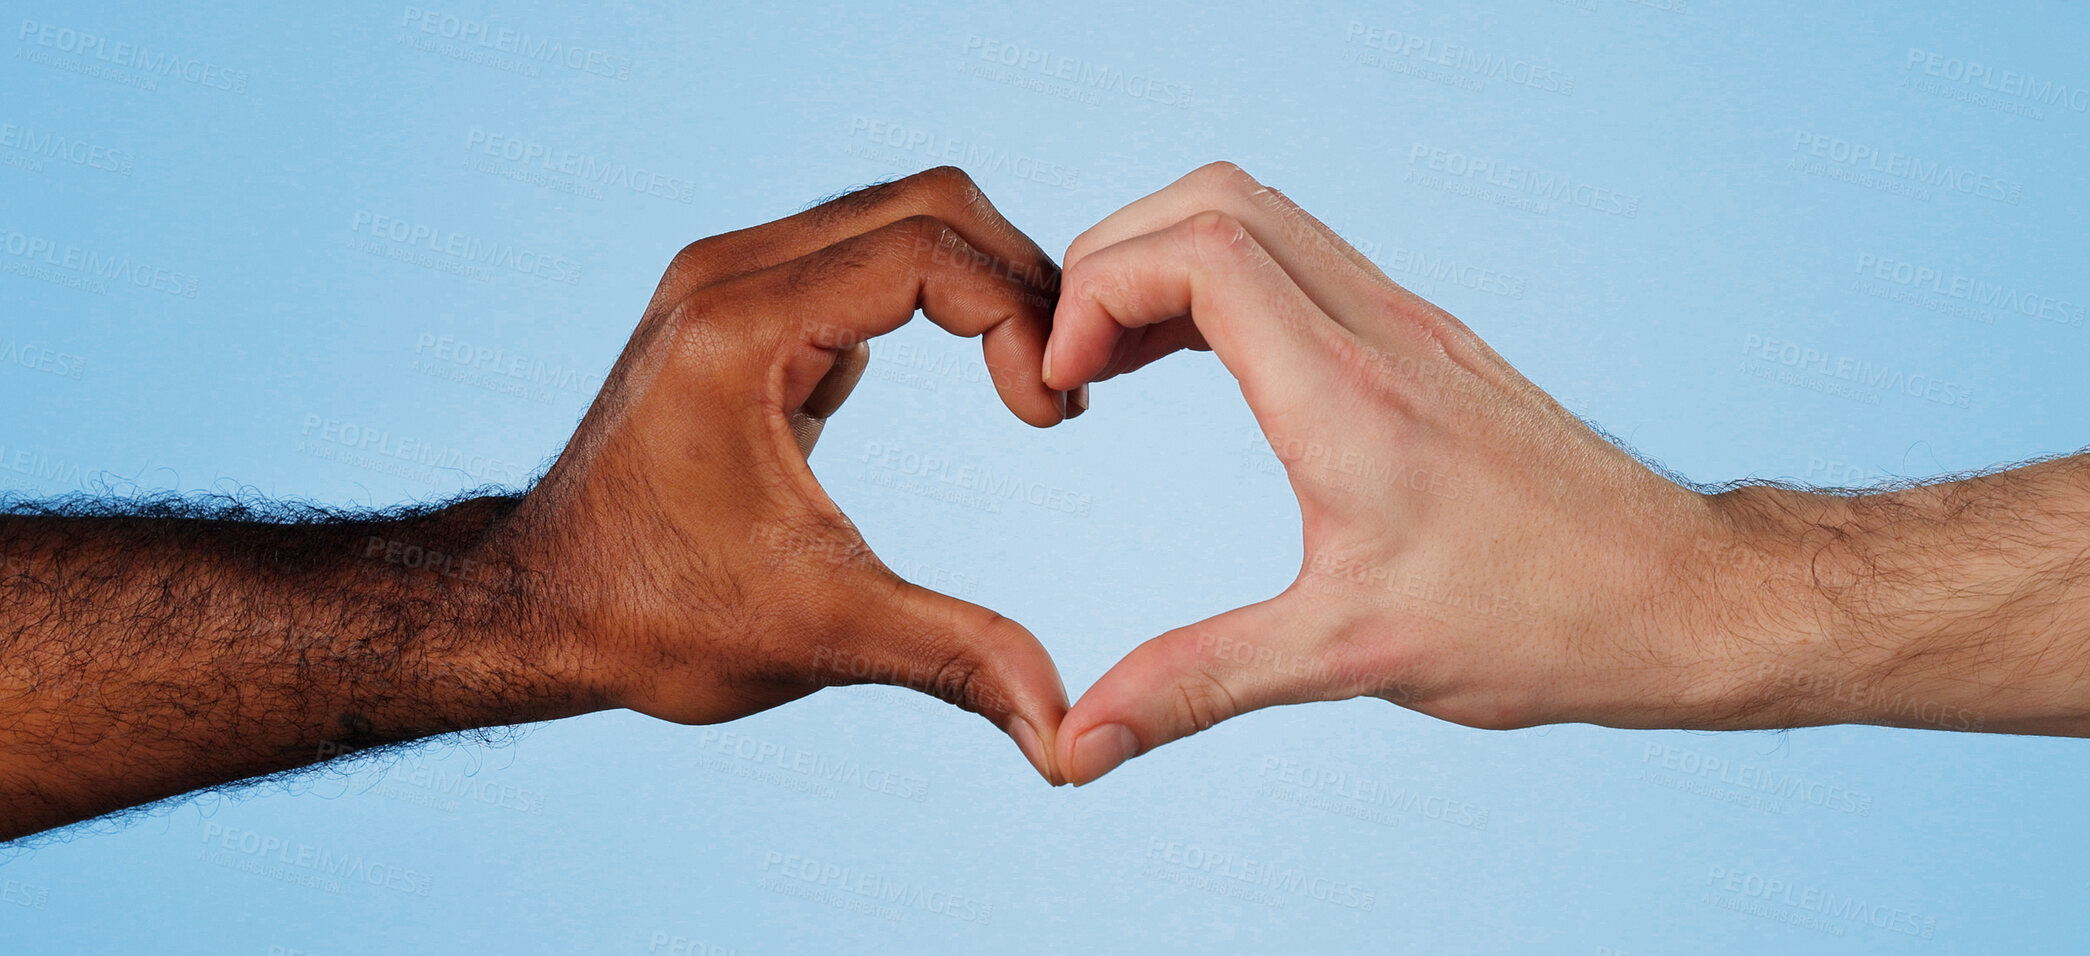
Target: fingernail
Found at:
x=1033, y=749
x=1100, y=751
x=1078, y=401
x=1045, y=373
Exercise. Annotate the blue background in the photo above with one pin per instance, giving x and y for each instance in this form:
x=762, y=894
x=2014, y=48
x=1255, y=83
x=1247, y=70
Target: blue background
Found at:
x=223, y=309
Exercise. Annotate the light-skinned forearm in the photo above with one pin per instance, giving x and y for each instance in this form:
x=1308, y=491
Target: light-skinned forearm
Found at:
x=1960, y=605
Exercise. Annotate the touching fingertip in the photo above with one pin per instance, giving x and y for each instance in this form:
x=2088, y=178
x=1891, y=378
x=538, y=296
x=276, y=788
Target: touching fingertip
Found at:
x=1033, y=748
x=1099, y=751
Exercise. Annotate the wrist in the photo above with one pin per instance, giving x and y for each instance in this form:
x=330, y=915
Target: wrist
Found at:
x=1759, y=606
x=517, y=644
x=1696, y=611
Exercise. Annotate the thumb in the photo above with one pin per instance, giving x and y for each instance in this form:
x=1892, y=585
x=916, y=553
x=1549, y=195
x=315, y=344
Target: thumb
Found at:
x=1188, y=680
x=958, y=652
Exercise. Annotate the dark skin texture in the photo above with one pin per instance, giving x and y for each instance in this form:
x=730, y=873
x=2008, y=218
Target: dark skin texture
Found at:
x=679, y=559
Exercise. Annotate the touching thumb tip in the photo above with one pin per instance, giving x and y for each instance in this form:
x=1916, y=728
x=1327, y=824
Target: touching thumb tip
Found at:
x=1098, y=751
x=1034, y=750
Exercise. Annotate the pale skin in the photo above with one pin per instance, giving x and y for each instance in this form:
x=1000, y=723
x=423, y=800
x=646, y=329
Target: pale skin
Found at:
x=1476, y=552
x=1473, y=551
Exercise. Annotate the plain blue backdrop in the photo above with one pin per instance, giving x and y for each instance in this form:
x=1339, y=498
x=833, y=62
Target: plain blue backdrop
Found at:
x=380, y=254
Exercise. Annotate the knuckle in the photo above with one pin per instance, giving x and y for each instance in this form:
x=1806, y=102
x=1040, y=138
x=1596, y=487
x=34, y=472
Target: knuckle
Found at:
x=1350, y=356
x=955, y=680
x=1223, y=176
x=1078, y=251
x=928, y=243
x=1109, y=283
x=938, y=188
x=1204, y=700
x=965, y=675
x=922, y=235
x=1356, y=365
x=693, y=334
x=946, y=180
x=1297, y=225
x=945, y=190
x=1218, y=239
x=688, y=256
x=950, y=189
x=714, y=327
x=811, y=273
x=1389, y=301
x=692, y=266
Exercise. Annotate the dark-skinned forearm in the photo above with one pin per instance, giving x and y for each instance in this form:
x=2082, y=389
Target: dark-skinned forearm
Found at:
x=147, y=655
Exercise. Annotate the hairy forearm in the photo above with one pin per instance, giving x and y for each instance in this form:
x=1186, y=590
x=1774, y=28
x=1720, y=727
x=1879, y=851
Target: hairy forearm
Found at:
x=150, y=654
x=1960, y=605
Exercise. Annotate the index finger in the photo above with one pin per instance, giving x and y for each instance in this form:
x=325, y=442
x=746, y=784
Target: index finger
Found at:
x=945, y=192
x=801, y=315
x=992, y=250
